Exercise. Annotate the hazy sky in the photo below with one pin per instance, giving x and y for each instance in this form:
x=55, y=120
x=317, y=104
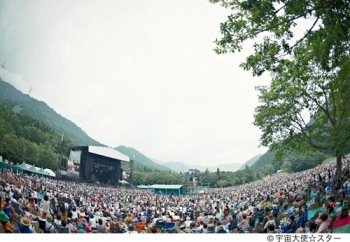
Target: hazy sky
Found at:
x=136, y=73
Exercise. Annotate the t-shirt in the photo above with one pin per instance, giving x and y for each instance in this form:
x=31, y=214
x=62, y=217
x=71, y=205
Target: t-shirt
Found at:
x=92, y=222
x=101, y=228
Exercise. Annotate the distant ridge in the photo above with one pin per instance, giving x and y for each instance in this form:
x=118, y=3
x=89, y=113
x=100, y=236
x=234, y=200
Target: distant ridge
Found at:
x=182, y=167
x=140, y=159
x=250, y=162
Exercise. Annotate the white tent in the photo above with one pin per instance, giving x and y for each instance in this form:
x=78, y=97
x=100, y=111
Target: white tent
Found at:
x=50, y=172
x=123, y=182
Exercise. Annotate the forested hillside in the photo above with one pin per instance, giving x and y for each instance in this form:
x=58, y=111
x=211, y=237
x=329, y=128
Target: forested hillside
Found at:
x=23, y=138
x=39, y=110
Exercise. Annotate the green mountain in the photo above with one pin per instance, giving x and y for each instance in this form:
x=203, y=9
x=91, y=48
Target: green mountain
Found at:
x=140, y=160
x=263, y=160
x=26, y=105
x=250, y=162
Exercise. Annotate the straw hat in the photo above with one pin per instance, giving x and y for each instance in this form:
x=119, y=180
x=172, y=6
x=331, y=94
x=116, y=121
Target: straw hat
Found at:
x=25, y=221
x=109, y=219
x=48, y=217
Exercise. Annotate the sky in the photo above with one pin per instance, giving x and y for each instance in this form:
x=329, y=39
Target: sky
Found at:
x=137, y=73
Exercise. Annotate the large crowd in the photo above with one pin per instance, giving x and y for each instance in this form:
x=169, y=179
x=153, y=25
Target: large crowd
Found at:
x=280, y=204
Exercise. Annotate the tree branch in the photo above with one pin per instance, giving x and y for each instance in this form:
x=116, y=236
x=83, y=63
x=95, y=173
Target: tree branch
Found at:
x=314, y=8
x=276, y=12
x=308, y=32
x=326, y=111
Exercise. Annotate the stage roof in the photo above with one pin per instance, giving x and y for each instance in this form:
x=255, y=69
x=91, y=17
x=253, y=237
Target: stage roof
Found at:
x=108, y=152
x=157, y=186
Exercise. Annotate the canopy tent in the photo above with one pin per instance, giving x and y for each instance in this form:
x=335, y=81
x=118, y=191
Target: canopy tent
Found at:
x=9, y=167
x=123, y=182
x=42, y=171
x=36, y=171
x=33, y=169
x=144, y=187
x=23, y=166
x=50, y=172
x=167, y=189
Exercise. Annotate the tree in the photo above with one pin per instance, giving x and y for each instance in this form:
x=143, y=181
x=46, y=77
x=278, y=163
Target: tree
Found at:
x=304, y=87
x=309, y=74
x=222, y=183
x=325, y=22
x=303, y=162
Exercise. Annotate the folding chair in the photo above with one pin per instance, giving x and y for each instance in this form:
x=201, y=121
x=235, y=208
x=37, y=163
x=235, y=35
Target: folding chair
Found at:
x=35, y=225
x=149, y=230
x=62, y=230
x=17, y=209
x=168, y=225
x=211, y=229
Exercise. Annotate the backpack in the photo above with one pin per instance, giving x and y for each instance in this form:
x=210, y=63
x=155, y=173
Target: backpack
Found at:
x=114, y=230
x=344, y=213
x=252, y=221
x=62, y=206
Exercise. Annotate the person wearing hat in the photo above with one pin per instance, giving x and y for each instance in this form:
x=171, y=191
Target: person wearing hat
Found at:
x=188, y=222
x=114, y=226
x=24, y=226
x=184, y=230
x=108, y=223
x=82, y=223
x=49, y=227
